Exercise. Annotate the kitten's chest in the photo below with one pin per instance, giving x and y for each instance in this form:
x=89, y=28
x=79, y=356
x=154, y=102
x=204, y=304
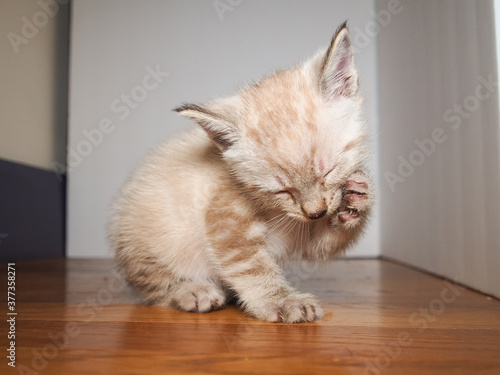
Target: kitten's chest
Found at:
x=290, y=237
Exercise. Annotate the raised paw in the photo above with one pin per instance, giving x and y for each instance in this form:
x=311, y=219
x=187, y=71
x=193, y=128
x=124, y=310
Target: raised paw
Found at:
x=294, y=308
x=356, y=198
x=197, y=297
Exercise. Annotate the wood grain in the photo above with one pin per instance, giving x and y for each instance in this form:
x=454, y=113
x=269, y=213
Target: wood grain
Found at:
x=78, y=317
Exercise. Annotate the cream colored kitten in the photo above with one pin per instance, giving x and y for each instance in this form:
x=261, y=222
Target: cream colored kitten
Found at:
x=275, y=170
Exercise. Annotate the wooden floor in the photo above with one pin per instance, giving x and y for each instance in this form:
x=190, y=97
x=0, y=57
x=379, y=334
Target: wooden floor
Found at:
x=76, y=317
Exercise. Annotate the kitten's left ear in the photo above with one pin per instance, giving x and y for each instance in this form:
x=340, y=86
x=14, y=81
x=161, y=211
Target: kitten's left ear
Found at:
x=219, y=129
x=339, y=77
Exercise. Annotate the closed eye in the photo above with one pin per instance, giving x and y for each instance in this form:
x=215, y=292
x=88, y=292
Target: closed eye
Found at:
x=281, y=192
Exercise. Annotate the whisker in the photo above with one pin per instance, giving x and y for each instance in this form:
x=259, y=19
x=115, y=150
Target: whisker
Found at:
x=283, y=228
x=275, y=217
x=292, y=227
x=302, y=237
x=276, y=225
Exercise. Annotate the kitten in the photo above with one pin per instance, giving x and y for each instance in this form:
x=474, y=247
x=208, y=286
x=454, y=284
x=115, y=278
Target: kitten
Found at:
x=275, y=170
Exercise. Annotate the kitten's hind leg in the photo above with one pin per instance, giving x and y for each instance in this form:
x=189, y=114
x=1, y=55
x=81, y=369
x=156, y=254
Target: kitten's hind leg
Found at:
x=156, y=285
x=195, y=296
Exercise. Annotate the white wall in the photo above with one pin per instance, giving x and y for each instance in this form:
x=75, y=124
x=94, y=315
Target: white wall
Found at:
x=441, y=211
x=496, y=5
x=113, y=43
x=33, y=83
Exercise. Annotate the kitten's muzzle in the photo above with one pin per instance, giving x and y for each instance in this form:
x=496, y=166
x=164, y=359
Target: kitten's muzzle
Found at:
x=314, y=209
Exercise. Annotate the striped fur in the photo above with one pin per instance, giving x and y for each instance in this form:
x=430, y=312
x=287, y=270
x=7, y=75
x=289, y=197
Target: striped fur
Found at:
x=273, y=171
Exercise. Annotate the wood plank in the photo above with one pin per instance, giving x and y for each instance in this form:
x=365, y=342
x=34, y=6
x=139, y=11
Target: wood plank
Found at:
x=78, y=317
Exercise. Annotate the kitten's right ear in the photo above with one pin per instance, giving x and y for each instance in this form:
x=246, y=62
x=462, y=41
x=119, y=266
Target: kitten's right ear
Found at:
x=221, y=131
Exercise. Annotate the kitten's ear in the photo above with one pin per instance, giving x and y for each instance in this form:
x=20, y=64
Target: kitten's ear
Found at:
x=220, y=130
x=339, y=78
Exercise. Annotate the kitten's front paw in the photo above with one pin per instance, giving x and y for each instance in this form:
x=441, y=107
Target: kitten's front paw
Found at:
x=197, y=297
x=356, y=199
x=294, y=308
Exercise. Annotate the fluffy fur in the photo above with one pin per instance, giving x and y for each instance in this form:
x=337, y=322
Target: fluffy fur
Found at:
x=273, y=171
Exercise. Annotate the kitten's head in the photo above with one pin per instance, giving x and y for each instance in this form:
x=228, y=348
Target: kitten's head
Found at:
x=294, y=137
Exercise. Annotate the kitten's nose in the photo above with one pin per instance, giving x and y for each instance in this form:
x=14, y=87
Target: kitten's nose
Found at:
x=317, y=215
x=314, y=207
